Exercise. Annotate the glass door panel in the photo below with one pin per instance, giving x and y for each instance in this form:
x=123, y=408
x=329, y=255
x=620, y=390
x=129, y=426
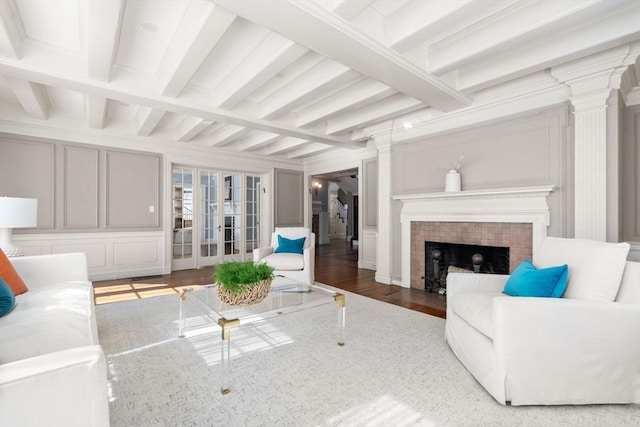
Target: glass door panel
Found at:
x=252, y=214
x=209, y=214
x=232, y=216
x=182, y=214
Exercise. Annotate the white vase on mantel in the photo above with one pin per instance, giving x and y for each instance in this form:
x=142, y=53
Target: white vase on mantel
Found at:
x=452, y=181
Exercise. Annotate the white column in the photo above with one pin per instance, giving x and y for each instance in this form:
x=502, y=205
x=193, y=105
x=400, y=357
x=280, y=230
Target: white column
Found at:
x=591, y=166
x=383, y=252
x=592, y=81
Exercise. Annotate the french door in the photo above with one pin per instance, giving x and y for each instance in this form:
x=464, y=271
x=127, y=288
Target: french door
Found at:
x=216, y=216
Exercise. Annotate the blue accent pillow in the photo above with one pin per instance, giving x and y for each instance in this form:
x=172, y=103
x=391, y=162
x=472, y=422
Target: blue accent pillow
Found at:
x=7, y=299
x=293, y=246
x=529, y=281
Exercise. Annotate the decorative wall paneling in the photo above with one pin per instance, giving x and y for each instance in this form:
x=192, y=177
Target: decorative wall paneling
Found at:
x=289, y=198
x=28, y=169
x=531, y=149
x=369, y=242
x=110, y=255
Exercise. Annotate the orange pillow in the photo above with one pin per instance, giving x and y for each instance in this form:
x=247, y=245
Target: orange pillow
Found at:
x=10, y=275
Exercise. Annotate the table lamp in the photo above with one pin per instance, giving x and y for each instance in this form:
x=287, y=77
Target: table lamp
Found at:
x=15, y=212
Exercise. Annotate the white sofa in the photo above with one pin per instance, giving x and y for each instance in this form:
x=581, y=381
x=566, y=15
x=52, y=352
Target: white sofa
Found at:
x=583, y=348
x=52, y=369
x=298, y=267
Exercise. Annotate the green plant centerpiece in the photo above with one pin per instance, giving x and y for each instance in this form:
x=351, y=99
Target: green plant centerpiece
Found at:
x=241, y=283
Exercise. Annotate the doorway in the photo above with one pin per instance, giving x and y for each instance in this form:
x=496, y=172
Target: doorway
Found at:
x=216, y=216
x=335, y=209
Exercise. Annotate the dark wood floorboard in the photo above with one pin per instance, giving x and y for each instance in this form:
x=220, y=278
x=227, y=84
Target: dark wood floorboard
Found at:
x=336, y=265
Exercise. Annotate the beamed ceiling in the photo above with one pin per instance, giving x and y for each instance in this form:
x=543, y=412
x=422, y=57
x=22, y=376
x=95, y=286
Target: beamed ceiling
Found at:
x=290, y=79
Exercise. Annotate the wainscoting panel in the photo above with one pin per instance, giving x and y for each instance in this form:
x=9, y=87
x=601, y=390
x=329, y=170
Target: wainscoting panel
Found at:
x=109, y=255
x=369, y=249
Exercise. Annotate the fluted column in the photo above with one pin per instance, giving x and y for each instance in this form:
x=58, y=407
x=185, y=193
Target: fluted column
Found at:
x=592, y=82
x=591, y=166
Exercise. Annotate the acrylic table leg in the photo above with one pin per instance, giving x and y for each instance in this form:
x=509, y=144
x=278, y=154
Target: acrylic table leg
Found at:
x=226, y=325
x=182, y=314
x=340, y=300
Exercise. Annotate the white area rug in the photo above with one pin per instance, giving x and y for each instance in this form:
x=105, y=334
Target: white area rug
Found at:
x=395, y=370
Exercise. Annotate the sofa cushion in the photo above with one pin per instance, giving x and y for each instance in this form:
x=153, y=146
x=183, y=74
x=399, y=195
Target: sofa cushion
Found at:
x=285, y=261
x=65, y=293
x=10, y=275
x=293, y=246
x=36, y=331
x=7, y=298
x=595, y=268
x=475, y=308
x=529, y=281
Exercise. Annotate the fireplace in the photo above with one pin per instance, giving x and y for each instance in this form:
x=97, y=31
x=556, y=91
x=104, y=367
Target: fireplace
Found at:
x=440, y=257
x=514, y=218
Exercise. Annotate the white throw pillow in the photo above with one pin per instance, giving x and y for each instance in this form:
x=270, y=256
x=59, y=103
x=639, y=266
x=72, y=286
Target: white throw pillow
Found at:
x=595, y=268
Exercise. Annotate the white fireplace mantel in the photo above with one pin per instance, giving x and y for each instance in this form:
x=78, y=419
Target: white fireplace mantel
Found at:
x=514, y=205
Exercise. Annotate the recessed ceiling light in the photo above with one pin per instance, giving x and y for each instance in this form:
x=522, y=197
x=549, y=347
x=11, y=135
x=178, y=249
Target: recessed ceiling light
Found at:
x=407, y=125
x=148, y=26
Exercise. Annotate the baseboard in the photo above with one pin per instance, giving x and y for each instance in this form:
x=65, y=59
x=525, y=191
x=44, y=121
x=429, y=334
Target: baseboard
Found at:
x=125, y=274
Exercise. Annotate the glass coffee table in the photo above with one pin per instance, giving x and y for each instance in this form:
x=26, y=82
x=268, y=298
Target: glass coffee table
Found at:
x=286, y=296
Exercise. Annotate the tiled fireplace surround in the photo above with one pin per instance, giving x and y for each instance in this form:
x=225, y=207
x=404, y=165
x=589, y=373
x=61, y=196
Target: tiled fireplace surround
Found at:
x=516, y=237
x=513, y=217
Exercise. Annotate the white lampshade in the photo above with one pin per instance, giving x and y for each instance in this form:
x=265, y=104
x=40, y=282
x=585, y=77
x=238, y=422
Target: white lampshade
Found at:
x=15, y=212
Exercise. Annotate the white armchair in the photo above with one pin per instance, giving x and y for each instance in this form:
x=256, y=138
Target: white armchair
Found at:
x=579, y=349
x=298, y=267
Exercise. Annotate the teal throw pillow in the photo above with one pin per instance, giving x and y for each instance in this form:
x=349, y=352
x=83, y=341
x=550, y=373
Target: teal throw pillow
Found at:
x=529, y=281
x=293, y=246
x=7, y=299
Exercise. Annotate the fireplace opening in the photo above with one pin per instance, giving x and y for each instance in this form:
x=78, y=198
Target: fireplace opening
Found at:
x=440, y=258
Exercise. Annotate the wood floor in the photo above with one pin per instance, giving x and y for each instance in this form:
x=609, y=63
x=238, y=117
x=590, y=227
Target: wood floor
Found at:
x=336, y=265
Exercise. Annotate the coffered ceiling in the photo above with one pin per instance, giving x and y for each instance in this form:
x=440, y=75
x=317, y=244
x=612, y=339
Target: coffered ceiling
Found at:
x=280, y=78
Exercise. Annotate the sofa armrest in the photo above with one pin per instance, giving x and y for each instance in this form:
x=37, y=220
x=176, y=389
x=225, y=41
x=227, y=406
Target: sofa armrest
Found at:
x=581, y=344
x=458, y=283
x=42, y=270
x=260, y=253
x=66, y=388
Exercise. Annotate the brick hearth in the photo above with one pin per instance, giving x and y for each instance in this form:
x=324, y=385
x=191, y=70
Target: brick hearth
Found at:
x=516, y=236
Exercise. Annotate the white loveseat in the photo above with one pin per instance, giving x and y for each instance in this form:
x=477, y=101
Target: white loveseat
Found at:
x=583, y=348
x=298, y=267
x=52, y=369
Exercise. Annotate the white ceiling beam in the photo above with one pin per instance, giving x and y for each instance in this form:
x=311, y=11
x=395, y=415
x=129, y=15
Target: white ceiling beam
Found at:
x=282, y=146
x=388, y=108
x=102, y=25
x=146, y=120
x=420, y=21
x=202, y=27
x=548, y=52
x=102, y=31
x=190, y=127
x=12, y=26
x=321, y=30
x=134, y=95
x=32, y=97
x=255, y=140
x=349, y=9
x=95, y=108
x=307, y=150
x=355, y=97
x=316, y=82
x=226, y=135
x=273, y=54
x=514, y=27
